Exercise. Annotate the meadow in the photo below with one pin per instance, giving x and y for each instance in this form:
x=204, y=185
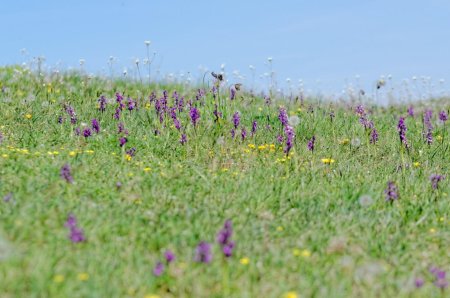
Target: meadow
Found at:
x=117, y=188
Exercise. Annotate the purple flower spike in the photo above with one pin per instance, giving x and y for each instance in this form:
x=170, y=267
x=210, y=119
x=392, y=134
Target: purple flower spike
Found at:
x=374, y=136
x=254, y=127
x=243, y=133
x=419, y=282
x=283, y=117
x=203, y=253
x=76, y=235
x=236, y=120
x=183, y=139
x=95, y=125
x=195, y=115
x=169, y=256
x=224, y=239
x=435, y=179
x=102, y=103
x=311, y=143
x=71, y=221
x=443, y=116
x=122, y=141
x=66, y=174
x=290, y=135
x=391, y=192
x=159, y=269
x=87, y=132
x=401, y=128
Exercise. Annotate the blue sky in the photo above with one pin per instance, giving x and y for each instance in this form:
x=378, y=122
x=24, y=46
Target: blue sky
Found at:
x=327, y=40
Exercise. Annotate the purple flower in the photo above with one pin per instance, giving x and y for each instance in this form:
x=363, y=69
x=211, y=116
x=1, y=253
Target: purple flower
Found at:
x=290, y=135
x=66, y=173
x=311, y=143
x=169, y=256
x=366, y=123
x=71, y=221
x=60, y=121
x=183, y=139
x=280, y=139
x=102, y=103
x=233, y=133
x=224, y=235
x=76, y=235
x=283, y=117
x=87, y=132
x=203, y=253
x=243, y=133
x=391, y=192
x=77, y=131
x=227, y=249
x=131, y=152
x=373, y=136
x=232, y=93
x=118, y=185
x=120, y=127
x=443, y=116
x=360, y=111
x=117, y=114
x=401, y=128
x=177, y=123
x=122, y=141
x=71, y=112
x=411, y=111
x=254, y=127
x=195, y=115
x=131, y=104
x=236, y=119
x=440, y=277
x=441, y=283
x=419, y=282
x=119, y=99
x=8, y=197
x=435, y=179
x=95, y=125
x=159, y=269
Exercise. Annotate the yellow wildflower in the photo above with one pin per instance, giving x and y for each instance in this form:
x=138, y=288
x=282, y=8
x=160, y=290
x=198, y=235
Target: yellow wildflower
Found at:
x=128, y=157
x=306, y=253
x=439, y=138
x=262, y=147
x=344, y=141
x=72, y=153
x=83, y=276
x=296, y=252
x=89, y=151
x=416, y=164
x=244, y=261
x=28, y=116
x=251, y=146
x=147, y=169
x=5, y=155
x=327, y=160
x=151, y=296
x=291, y=294
x=58, y=278
x=280, y=228
x=432, y=231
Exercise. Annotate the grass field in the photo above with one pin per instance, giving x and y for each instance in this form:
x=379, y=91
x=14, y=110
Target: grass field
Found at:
x=83, y=214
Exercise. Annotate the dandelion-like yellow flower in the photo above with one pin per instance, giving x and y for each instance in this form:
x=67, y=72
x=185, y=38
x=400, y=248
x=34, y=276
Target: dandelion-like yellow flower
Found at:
x=147, y=169
x=128, y=157
x=251, y=146
x=416, y=164
x=306, y=253
x=83, y=276
x=244, y=261
x=296, y=252
x=327, y=161
x=439, y=138
x=432, y=231
x=72, y=153
x=344, y=141
x=261, y=147
x=58, y=278
x=280, y=229
x=89, y=151
x=291, y=294
x=5, y=155
x=28, y=116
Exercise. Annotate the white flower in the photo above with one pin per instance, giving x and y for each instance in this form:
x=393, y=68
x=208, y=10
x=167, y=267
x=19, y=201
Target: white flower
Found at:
x=136, y=61
x=269, y=59
x=147, y=42
x=82, y=62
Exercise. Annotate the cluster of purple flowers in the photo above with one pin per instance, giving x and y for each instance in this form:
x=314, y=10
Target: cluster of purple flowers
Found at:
x=283, y=117
x=224, y=239
x=95, y=125
x=169, y=257
x=76, y=235
x=236, y=120
x=66, y=174
x=290, y=135
x=440, y=277
x=195, y=115
x=102, y=103
x=254, y=127
x=443, y=116
x=391, y=192
x=203, y=252
x=71, y=112
x=401, y=128
x=183, y=139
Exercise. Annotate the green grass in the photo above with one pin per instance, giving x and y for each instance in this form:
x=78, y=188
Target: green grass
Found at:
x=297, y=220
